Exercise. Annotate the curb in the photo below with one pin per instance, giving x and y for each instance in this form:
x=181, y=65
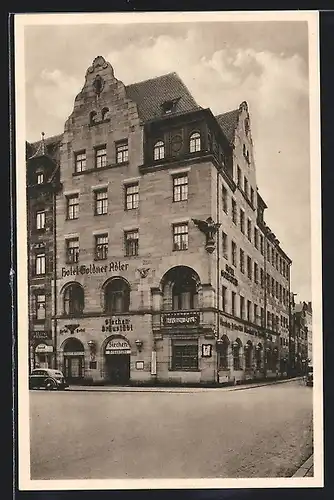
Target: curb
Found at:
x=306, y=469
x=177, y=390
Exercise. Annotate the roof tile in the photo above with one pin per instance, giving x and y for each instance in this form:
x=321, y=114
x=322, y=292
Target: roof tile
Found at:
x=228, y=123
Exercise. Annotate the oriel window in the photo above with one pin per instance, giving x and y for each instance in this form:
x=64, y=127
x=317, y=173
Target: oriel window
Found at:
x=180, y=188
x=131, y=243
x=195, y=142
x=122, y=152
x=73, y=207
x=101, y=202
x=159, y=150
x=101, y=157
x=132, y=196
x=40, y=220
x=80, y=161
x=101, y=247
x=72, y=251
x=180, y=237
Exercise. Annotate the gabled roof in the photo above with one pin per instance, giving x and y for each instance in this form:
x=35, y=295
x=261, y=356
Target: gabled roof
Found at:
x=228, y=123
x=45, y=147
x=150, y=95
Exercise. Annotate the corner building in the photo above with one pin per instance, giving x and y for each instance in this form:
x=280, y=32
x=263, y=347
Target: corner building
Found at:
x=162, y=271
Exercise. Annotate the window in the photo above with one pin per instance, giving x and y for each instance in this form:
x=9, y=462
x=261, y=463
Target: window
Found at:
x=184, y=292
x=100, y=157
x=261, y=244
x=223, y=355
x=195, y=142
x=80, y=161
x=184, y=357
x=249, y=229
x=122, y=152
x=224, y=199
x=224, y=245
x=268, y=282
x=280, y=293
x=73, y=300
x=256, y=272
x=40, y=178
x=72, y=250
x=249, y=309
x=255, y=319
x=116, y=296
x=280, y=265
x=233, y=304
x=262, y=316
x=276, y=290
x=101, y=247
x=101, y=202
x=234, y=211
x=242, y=260
x=159, y=150
x=40, y=303
x=234, y=253
x=276, y=263
x=248, y=355
x=224, y=295
x=242, y=306
x=249, y=267
x=40, y=220
x=242, y=221
x=131, y=243
x=273, y=257
x=40, y=264
x=262, y=277
x=268, y=252
x=180, y=236
x=273, y=287
x=252, y=196
x=180, y=188
x=238, y=176
x=236, y=356
x=132, y=196
x=73, y=207
x=256, y=237
x=246, y=186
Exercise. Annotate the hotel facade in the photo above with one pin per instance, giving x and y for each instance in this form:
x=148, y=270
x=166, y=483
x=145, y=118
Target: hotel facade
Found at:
x=161, y=267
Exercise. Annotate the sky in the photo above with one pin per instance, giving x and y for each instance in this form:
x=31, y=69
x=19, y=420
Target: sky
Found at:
x=222, y=63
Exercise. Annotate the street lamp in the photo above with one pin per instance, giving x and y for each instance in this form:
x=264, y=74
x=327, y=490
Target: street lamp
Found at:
x=139, y=344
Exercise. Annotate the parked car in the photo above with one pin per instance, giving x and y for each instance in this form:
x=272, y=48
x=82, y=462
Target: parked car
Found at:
x=309, y=376
x=45, y=378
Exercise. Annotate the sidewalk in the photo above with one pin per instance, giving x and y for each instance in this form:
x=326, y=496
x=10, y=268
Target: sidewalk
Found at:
x=306, y=470
x=111, y=388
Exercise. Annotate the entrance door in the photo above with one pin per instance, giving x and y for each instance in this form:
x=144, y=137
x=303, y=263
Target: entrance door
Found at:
x=73, y=368
x=118, y=368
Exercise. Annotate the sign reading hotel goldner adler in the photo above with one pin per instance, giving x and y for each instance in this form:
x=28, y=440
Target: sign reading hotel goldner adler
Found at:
x=94, y=269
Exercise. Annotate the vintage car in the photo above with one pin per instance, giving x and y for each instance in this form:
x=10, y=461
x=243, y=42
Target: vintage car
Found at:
x=45, y=378
x=309, y=376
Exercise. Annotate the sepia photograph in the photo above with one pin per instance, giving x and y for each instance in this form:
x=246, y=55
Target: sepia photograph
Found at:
x=169, y=250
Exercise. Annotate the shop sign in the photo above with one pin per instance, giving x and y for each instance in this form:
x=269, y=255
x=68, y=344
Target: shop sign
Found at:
x=74, y=353
x=41, y=348
x=40, y=335
x=180, y=318
x=206, y=350
x=117, y=324
x=118, y=346
x=239, y=327
x=94, y=269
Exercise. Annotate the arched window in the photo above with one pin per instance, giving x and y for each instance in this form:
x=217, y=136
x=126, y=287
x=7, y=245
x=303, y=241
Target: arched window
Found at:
x=159, y=150
x=259, y=356
x=248, y=354
x=236, y=354
x=195, y=142
x=73, y=300
x=180, y=289
x=223, y=344
x=116, y=296
x=104, y=113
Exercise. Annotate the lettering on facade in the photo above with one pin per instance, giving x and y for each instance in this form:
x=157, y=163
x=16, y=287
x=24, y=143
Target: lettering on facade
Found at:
x=72, y=328
x=229, y=276
x=239, y=327
x=40, y=335
x=118, y=346
x=94, y=269
x=113, y=325
x=180, y=318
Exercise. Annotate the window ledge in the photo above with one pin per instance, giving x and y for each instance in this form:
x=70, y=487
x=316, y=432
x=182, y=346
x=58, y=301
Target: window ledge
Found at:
x=101, y=169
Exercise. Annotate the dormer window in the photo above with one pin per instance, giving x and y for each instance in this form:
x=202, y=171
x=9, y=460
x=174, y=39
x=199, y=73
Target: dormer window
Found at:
x=169, y=106
x=40, y=178
x=159, y=150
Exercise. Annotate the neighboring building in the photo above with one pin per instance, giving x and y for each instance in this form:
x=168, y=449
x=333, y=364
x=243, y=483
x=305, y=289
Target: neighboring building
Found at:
x=165, y=269
x=42, y=186
x=303, y=335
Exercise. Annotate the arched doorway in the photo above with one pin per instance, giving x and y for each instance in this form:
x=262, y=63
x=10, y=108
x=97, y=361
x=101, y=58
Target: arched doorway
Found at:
x=74, y=360
x=117, y=352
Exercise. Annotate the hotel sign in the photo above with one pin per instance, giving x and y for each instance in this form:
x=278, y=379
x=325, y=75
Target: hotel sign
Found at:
x=94, y=269
x=180, y=318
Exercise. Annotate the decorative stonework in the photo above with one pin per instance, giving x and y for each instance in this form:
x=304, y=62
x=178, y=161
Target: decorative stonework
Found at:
x=98, y=63
x=98, y=84
x=209, y=228
x=143, y=271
